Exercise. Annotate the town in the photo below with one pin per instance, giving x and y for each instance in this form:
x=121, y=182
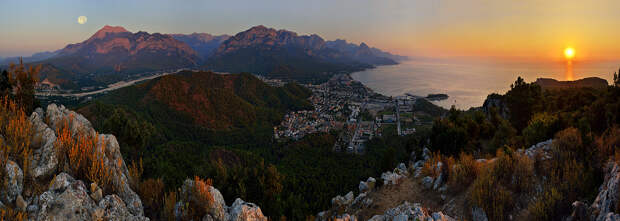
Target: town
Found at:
x=345, y=106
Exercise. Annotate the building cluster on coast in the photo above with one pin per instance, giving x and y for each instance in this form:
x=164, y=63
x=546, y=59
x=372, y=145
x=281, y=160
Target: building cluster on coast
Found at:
x=352, y=111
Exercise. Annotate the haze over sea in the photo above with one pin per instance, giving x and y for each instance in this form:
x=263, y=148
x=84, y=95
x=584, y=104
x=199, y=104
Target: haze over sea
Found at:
x=469, y=81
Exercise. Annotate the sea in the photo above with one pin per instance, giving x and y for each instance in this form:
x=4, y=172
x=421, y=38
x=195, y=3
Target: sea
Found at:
x=467, y=82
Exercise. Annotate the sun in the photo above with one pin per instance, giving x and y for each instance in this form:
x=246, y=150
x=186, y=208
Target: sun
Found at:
x=569, y=53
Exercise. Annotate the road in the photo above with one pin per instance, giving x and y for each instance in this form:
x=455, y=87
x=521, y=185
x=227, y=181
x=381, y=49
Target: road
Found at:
x=111, y=87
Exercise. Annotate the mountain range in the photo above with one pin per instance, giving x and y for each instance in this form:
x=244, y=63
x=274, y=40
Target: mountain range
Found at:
x=113, y=54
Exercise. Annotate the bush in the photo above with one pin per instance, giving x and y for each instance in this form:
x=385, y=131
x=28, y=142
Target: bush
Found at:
x=488, y=194
x=547, y=205
x=541, y=127
x=463, y=173
x=151, y=193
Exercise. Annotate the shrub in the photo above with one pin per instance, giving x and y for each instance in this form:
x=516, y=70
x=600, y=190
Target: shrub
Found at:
x=488, y=194
x=463, y=173
x=430, y=166
x=541, y=127
x=135, y=173
x=608, y=143
x=546, y=206
x=151, y=193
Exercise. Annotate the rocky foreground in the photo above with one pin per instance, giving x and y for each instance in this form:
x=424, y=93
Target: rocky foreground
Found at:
x=350, y=207
x=66, y=198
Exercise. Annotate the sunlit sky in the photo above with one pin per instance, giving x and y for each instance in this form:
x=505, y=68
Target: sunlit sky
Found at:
x=525, y=29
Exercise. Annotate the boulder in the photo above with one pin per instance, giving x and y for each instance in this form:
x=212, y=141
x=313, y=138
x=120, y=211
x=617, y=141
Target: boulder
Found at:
x=478, y=214
x=426, y=154
x=217, y=209
x=345, y=217
x=44, y=162
x=438, y=182
x=244, y=211
x=363, y=187
x=113, y=208
x=391, y=178
x=67, y=199
x=20, y=203
x=408, y=211
x=377, y=218
x=14, y=181
x=427, y=182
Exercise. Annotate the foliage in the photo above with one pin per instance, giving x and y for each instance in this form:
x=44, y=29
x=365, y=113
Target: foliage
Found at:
x=464, y=172
x=523, y=100
x=24, y=80
x=151, y=193
x=541, y=127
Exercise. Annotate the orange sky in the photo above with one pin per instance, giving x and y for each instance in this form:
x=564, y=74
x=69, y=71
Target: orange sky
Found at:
x=513, y=29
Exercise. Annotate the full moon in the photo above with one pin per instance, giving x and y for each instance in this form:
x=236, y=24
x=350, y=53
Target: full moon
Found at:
x=82, y=20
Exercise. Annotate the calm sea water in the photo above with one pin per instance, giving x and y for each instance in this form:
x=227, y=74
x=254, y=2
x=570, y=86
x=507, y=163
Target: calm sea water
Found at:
x=468, y=82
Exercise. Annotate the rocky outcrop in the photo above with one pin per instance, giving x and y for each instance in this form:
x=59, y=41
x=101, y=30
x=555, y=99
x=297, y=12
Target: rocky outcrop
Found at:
x=44, y=163
x=348, y=207
x=217, y=210
x=69, y=199
x=607, y=199
x=408, y=211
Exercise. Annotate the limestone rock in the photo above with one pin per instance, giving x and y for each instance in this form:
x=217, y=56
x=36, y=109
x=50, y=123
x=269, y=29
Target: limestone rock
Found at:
x=14, y=181
x=244, y=211
x=217, y=209
x=427, y=182
x=44, y=161
x=604, y=204
x=114, y=208
x=68, y=199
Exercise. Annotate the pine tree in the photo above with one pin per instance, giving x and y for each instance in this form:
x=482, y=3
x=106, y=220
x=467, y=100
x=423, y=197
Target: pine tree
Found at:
x=24, y=79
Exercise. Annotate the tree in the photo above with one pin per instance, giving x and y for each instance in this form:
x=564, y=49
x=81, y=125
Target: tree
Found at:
x=24, y=80
x=5, y=85
x=523, y=100
x=617, y=78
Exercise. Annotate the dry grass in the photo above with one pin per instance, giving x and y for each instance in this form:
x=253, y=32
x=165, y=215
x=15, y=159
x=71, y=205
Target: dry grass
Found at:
x=83, y=156
x=9, y=214
x=135, y=173
x=17, y=131
x=170, y=200
x=463, y=173
x=430, y=166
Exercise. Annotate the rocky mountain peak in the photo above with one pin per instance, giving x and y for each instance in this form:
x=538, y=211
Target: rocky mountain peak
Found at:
x=108, y=29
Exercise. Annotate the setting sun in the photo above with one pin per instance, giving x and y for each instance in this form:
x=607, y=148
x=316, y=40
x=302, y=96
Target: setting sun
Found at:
x=569, y=53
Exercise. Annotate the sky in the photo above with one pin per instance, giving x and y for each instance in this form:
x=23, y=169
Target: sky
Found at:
x=525, y=29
